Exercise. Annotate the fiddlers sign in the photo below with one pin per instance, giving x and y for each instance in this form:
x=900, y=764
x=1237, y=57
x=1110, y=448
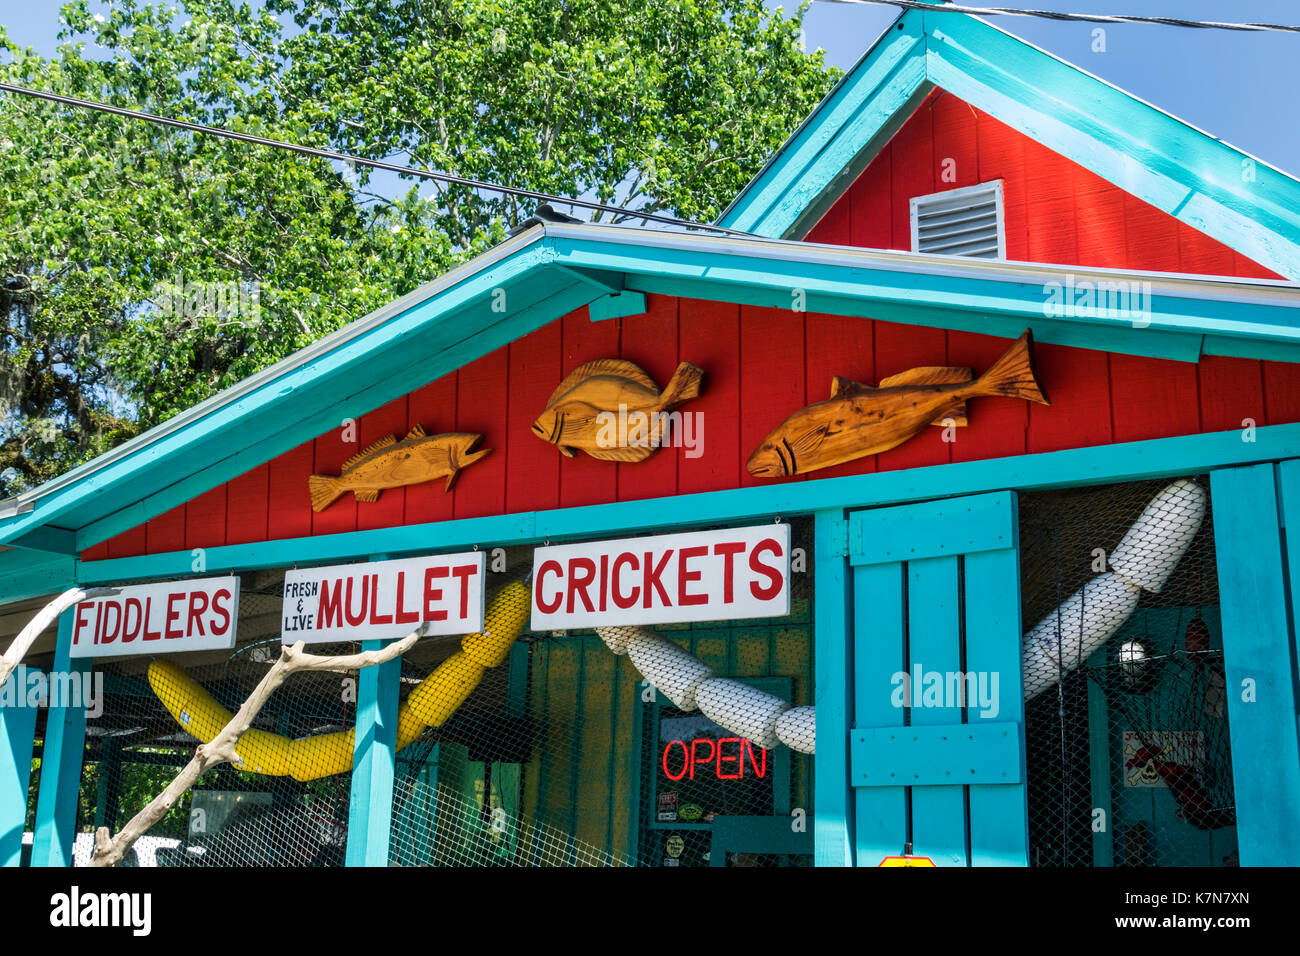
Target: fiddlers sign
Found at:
x=162, y=618
x=384, y=599
x=665, y=579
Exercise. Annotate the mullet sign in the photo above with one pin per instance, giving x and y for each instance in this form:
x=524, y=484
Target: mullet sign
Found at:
x=158, y=619
x=665, y=579
x=384, y=599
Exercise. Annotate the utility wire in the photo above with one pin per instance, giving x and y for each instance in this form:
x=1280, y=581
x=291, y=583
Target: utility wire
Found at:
x=946, y=7
x=361, y=161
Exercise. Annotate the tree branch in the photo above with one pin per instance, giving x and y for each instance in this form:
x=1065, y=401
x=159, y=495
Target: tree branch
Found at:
x=43, y=619
x=109, y=851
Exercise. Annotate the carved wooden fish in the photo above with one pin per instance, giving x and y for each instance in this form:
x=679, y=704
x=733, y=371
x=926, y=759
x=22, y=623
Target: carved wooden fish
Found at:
x=858, y=420
x=573, y=416
x=390, y=463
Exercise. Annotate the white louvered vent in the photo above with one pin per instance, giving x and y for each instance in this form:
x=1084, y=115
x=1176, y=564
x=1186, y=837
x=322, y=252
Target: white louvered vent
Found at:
x=961, y=222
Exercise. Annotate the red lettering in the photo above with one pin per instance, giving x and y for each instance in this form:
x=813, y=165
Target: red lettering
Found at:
x=198, y=604
x=376, y=618
x=402, y=616
x=548, y=567
x=686, y=760
x=728, y=550
x=131, y=628
x=722, y=757
x=173, y=614
x=329, y=613
x=652, y=575
x=695, y=757
x=463, y=572
x=360, y=616
x=626, y=558
x=685, y=576
x=578, y=583
x=82, y=608
x=773, y=574
x=604, y=581
x=149, y=635
x=760, y=769
x=223, y=611
x=432, y=594
x=104, y=636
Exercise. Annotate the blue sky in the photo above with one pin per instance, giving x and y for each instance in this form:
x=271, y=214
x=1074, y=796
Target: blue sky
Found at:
x=1241, y=87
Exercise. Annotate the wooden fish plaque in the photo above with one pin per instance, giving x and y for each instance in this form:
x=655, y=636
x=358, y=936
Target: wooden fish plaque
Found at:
x=608, y=392
x=390, y=463
x=858, y=420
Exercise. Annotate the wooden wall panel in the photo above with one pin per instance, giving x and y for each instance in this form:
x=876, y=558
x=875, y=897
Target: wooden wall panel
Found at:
x=535, y=369
x=483, y=406
x=289, y=513
x=771, y=376
x=650, y=341
x=246, y=515
x=433, y=407
x=709, y=332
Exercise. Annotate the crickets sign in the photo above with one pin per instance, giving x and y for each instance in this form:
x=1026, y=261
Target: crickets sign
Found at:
x=665, y=579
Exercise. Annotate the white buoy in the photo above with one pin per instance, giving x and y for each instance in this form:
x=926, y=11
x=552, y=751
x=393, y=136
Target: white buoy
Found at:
x=1073, y=631
x=675, y=673
x=744, y=710
x=797, y=729
x=1152, y=548
x=616, y=638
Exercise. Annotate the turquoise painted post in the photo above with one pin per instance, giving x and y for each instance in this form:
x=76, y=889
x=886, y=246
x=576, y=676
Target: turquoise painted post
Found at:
x=1258, y=656
x=61, y=757
x=17, y=735
x=1103, y=843
x=370, y=811
x=832, y=665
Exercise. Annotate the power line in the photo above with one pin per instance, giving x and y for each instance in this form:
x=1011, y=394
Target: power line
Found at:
x=362, y=161
x=1081, y=17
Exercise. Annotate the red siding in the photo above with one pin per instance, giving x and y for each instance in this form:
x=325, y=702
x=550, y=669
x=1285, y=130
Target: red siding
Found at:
x=762, y=364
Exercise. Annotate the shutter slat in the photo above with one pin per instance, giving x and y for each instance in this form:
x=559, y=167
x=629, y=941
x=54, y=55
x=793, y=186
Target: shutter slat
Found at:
x=967, y=223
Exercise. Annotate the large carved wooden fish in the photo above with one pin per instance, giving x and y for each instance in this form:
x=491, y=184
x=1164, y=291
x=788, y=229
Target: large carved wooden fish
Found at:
x=858, y=420
x=390, y=463
x=574, y=418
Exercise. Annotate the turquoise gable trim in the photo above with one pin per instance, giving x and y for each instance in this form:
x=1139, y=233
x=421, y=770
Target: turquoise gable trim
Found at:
x=1243, y=202
x=549, y=272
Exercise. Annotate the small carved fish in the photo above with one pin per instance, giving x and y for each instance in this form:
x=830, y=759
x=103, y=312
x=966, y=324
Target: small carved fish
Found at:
x=572, y=419
x=858, y=420
x=390, y=463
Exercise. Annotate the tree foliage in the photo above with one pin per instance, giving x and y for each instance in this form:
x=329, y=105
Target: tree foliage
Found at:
x=143, y=269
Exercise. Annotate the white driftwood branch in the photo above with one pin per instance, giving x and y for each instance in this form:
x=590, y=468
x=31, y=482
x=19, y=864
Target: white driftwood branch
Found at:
x=43, y=619
x=109, y=851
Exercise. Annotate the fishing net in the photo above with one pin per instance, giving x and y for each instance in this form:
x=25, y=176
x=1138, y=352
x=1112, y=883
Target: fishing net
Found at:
x=1126, y=711
x=547, y=750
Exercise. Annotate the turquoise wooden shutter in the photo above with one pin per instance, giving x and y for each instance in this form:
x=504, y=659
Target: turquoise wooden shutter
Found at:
x=1259, y=651
x=936, y=596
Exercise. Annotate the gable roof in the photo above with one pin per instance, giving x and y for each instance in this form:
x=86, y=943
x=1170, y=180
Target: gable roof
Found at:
x=1240, y=200
x=552, y=269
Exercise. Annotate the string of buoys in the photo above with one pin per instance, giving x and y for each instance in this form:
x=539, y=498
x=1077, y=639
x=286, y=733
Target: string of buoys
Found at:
x=1142, y=561
x=690, y=684
x=309, y=758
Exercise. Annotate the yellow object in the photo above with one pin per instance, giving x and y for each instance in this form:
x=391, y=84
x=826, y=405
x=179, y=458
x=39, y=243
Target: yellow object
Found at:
x=309, y=758
x=504, y=621
x=907, y=861
x=198, y=713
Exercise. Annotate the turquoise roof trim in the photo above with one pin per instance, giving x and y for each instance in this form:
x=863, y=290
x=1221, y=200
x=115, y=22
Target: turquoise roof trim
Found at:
x=1213, y=187
x=551, y=270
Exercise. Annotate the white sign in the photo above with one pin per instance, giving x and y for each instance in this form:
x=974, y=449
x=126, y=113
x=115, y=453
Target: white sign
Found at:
x=671, y=578
x=384, y=599
x=163, y=618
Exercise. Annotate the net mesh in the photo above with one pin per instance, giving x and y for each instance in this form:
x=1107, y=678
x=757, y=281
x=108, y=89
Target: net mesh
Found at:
x=514, y=748
x=1126, y=717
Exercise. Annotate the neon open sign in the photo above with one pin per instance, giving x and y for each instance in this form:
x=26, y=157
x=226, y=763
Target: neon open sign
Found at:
x=724, y=758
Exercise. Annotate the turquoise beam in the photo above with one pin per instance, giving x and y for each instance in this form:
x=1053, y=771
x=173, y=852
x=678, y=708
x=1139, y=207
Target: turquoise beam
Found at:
x=1258, y=656
x=17, y=735
x=370, y=812
x=61, y=759
x=832, y=665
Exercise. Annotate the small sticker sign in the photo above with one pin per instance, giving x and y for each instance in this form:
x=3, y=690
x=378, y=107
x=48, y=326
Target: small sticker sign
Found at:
x=907, y=861
x=384, y=599
x=163, y=618
x=723, y=575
